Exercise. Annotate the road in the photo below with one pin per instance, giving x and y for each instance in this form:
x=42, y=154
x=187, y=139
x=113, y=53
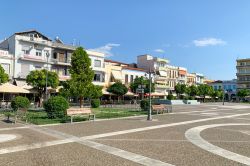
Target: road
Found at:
x=207, y=134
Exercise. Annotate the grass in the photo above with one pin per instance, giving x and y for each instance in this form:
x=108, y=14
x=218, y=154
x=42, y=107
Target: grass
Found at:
x=40, y=117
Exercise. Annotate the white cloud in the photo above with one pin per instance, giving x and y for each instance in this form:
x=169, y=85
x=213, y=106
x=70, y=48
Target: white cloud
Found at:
x=106, y=49
x=159, y=50
x=208, y=42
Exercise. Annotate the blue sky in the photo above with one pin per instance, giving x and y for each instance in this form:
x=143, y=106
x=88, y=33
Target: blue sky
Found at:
x=204, y=36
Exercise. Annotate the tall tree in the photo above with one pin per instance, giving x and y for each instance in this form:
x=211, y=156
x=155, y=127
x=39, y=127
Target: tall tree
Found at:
x=145, y=84
x=242, y=93
x=37, y=79
x=193, y=90
x=3, y=76
x=81, y=74
x=118, y=89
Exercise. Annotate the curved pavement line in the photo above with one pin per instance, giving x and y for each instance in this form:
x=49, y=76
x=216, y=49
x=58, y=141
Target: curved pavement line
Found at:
x=193, y=135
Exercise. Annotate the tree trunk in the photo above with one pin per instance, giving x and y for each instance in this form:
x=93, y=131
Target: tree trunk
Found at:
x=81, y=101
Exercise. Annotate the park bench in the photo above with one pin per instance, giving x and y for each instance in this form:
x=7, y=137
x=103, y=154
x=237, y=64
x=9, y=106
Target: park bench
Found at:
x=161, y=108
x=80, y=112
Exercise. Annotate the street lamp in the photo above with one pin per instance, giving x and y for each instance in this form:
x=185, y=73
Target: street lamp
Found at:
x=149, y=117
x=46, y=89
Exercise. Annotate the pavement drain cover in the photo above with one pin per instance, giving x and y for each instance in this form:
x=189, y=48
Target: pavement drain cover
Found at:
x=6, y=137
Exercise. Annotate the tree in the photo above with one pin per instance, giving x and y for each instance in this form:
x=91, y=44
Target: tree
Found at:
x=118, y=89
x=205, y=90
x=217, y=94
x=81, y=74
x=37, y=79
x=94, y=91
x=180, y=89
x=193, y=90
x=242, y=93
x=144, y=82
x=3, y=76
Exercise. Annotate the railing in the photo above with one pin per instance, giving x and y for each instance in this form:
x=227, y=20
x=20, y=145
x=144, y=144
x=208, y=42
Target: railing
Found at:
x=34, y=39
x=33, y=57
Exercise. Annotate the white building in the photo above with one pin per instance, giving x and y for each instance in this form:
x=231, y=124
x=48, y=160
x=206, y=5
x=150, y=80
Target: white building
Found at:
x=6, y=61
x=32, y=50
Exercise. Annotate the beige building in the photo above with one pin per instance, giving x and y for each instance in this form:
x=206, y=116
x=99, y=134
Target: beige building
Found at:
x=191, y=79
x=173, y=75
x=243, y=73
x=161, y=71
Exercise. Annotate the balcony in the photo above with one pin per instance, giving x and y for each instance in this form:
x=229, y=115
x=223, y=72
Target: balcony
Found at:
x=161, y=86
x=33, y=58
x=34, y=40
x=61, y=61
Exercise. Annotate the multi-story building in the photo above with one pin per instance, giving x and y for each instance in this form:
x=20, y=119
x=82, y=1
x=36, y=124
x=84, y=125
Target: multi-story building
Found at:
x=229, y=87
x=199, y=79
x=118, y=71
x=243, y=73
x=173, y=75
x=31, y=50
x=191, y=79
x=160, y=68
x=6, y=61
x=182, y=75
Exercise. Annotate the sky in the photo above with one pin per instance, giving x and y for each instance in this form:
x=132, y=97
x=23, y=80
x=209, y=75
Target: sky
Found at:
x=205, y=36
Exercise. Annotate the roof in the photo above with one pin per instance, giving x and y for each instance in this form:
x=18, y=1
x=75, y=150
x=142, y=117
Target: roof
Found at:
x=10, y=88
x=133, y=68
x=242, y=60
x=30, y=31
x=112, y=61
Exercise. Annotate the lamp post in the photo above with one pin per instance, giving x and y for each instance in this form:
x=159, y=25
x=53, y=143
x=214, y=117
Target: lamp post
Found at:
x=149, y=118
x=46, y=89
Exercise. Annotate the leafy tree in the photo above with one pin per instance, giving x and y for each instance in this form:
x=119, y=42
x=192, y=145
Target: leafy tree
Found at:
x=242, y=93
x=205, y=90
x=81, y=74
x=20, y=102
x=37, y=79
x=188, y=90
x=144, y=82
x=180, y=89
x=3, y=76
x=217, y=94
x=65, y=91
x=56, y=107
x=118, y=89
x=94, y=91
x=194, y=90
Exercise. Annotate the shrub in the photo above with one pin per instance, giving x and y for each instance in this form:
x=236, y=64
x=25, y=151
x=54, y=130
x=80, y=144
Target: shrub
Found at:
x=170, y=97
x=95, y=103
x=144, y=105
x=191, y=98
x=20, y=102
x=56, y=107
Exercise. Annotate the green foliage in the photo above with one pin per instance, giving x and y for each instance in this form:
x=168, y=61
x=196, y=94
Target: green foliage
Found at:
x=20, y=102
x=205, y=90
x=191, y=98
x=3, y=76
x=65, y=91
x=94, y=91
x=193, y=90
x=144, y=105
x=118, y=89
x=170, y=97
x=142, y=81
x=81, y=75
x=242, y=93
x=217, y=94
x=180, y=88
x=56, y=107
x=95, y=103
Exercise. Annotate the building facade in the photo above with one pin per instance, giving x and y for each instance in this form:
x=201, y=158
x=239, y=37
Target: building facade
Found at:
x=182, y=75
x=243, y=73
x=6, y=61
x=31, y=50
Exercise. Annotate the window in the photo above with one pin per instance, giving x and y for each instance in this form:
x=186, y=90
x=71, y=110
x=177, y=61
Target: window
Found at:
x=97, y=77
x=131, y=78
x=6, y=67
x=126, y=79
x=65, y=71
x=38, y=52
x=55, y=55
x=97, y=63
x=25, y=49
x=38, y=67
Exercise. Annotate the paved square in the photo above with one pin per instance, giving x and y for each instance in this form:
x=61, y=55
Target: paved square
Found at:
x=207, y=134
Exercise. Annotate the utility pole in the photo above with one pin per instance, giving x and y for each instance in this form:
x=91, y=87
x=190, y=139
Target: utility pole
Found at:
x=46, y=89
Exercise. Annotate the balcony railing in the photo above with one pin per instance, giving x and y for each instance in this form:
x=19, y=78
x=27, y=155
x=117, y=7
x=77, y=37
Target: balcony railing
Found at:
x=34, y=40
x=32, y=58
x=61, y=61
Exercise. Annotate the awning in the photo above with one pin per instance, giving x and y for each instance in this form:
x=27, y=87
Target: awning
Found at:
x=163, y=73
x=10, y=88
x=56, y=90
x=129, y=94
x=156, y=94
x=105, y=92
x=117, y=74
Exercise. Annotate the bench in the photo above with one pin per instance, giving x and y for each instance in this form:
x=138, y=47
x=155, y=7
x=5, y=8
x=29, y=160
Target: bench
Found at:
x=80, y=112
x=161, y=108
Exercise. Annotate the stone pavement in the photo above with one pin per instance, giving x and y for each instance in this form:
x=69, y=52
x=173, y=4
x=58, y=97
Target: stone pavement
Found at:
x=207, y=134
